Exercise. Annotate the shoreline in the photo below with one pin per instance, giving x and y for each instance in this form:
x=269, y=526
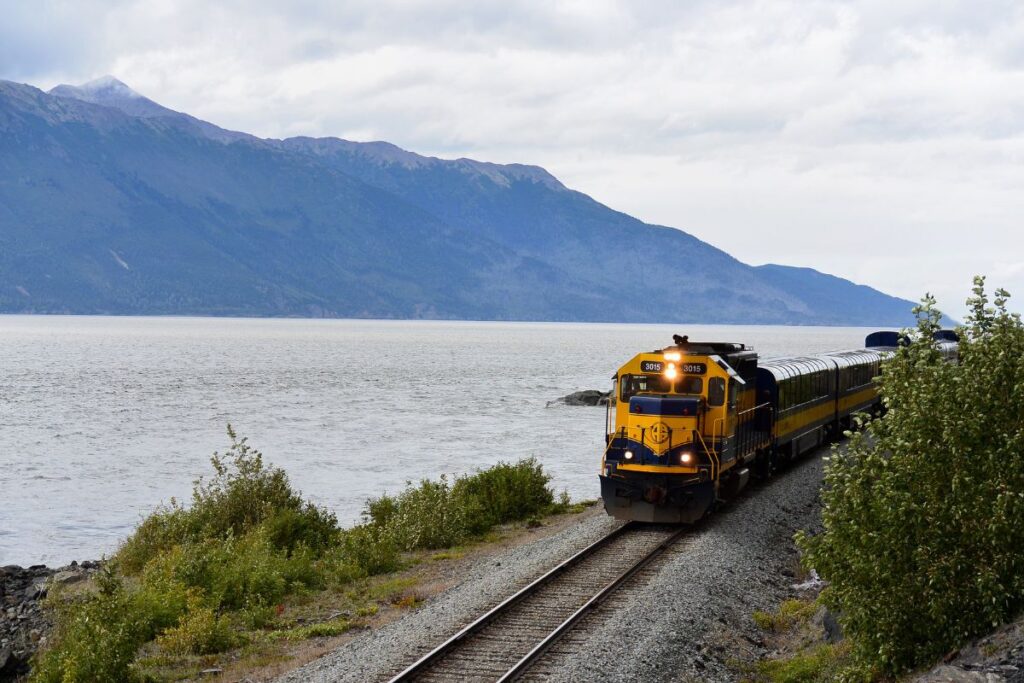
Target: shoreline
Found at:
x=25, y=625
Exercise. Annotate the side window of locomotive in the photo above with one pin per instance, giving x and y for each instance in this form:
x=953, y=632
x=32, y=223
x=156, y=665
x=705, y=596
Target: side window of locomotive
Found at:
x=716, y=391
x=625, y=387
x=690, y=384
x=610, y=411
x=732, y=394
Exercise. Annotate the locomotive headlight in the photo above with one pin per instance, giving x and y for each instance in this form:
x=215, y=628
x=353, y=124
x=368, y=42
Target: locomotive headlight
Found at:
x=673, y=356
x=686, y=457
x=670, y=371
x=628, y=455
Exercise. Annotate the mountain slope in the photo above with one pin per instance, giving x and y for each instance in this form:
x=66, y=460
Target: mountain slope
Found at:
x=114, y=214
x=111, y=203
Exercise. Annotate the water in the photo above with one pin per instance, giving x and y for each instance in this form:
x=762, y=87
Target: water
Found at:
x=102, y=418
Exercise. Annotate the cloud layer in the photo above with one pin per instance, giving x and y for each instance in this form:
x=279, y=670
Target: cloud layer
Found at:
x=879, y=143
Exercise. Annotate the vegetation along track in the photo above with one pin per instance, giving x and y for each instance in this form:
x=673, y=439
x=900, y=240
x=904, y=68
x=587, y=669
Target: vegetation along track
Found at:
x=504, y=642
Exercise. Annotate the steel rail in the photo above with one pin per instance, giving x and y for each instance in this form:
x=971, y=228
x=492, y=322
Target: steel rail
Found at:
x=523, y=664
x=423, y=664
x=426, y=660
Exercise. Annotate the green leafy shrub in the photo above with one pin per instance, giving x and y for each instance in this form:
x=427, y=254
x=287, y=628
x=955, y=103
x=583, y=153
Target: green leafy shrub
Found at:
x=503, y=493
x=243, y=494
x=436, y=514
x=258, y=615
x=189, y=576
x=364, y=550
x=99, y=637
x=922, y=545
x=200, y=631
x=237, y=571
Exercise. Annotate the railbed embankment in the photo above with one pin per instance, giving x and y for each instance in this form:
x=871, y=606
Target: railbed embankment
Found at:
x=689, y=618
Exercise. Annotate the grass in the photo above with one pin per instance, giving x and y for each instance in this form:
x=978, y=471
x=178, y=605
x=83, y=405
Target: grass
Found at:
x=390, y=590
x=790, y=613
x=250, y=564
x=823, y=663
x=326, y=629
x=807, y=658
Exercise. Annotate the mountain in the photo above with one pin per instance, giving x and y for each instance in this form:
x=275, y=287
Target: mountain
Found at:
x=112, y=203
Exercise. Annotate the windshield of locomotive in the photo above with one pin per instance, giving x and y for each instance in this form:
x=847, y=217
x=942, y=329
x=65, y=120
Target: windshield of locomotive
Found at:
x=631, y=385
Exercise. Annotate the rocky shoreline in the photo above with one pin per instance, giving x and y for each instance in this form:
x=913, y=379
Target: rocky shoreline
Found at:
x=24, y=624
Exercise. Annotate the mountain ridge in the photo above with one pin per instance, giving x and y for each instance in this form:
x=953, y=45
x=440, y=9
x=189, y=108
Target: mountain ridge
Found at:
x=106, y=178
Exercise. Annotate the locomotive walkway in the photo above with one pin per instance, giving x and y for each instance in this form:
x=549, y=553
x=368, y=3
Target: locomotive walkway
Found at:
x=506, y=641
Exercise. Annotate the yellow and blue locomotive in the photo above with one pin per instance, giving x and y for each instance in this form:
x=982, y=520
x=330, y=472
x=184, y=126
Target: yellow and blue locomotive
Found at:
x=689, y=424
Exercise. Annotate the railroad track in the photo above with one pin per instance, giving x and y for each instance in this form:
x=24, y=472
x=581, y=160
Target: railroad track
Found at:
x=504, y=642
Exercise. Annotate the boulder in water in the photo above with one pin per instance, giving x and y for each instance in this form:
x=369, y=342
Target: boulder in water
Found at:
x=587, y=397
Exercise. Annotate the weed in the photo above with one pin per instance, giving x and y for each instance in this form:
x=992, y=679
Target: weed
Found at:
x=367, y=611
x=821, y=664
x=324, y=629
x=789, y=614
x=390, y=590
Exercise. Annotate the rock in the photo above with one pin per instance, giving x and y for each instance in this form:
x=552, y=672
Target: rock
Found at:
x=211, y=672
x=587, y=397
x=11, y=666
x=67, y=577
x=826, y=621
x=952, y=674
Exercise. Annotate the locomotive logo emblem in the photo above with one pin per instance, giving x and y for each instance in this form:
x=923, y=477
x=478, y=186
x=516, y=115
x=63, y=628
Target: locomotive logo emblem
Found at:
x=659, y=432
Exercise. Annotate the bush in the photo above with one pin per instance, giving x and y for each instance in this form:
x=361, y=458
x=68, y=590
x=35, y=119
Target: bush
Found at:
x=364, y=550
x=247, y=542
x=503, y=493
x=98, y=638
x=435, y=514
x=243, y=494
x=199, y=632
x=922, y=545
x=235, y=572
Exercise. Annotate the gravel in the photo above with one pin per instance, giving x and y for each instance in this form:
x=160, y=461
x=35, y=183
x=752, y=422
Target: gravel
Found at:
x=686, y=617
x=689, y=619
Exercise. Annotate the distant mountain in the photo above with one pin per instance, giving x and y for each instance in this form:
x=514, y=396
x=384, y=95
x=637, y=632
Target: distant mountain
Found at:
x=112, y=203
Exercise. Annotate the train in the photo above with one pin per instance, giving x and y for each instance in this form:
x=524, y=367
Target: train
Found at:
x=689, y=425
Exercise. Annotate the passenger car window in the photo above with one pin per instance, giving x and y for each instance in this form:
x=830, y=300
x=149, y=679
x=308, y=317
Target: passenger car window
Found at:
x=716, y=391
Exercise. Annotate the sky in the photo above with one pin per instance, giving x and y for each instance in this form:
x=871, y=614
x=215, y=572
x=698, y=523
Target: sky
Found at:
x=881, y=141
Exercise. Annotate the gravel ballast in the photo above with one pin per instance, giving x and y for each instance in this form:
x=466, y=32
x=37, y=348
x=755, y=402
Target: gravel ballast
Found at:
x=686, y=617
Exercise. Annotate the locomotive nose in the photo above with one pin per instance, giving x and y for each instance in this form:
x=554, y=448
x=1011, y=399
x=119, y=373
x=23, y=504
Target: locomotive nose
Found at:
x=662, y=424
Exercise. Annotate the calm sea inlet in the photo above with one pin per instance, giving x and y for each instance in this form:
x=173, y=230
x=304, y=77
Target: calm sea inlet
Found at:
x=102, y=418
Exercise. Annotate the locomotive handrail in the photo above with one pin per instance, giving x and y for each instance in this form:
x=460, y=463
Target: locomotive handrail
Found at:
x=748, y=437
x=618, y=433
x=715, y=465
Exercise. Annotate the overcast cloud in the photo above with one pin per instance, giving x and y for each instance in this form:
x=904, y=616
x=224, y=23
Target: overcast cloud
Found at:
x=879, y=141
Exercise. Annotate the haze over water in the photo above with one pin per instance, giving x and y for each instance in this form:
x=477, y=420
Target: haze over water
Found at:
x=102, y=418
